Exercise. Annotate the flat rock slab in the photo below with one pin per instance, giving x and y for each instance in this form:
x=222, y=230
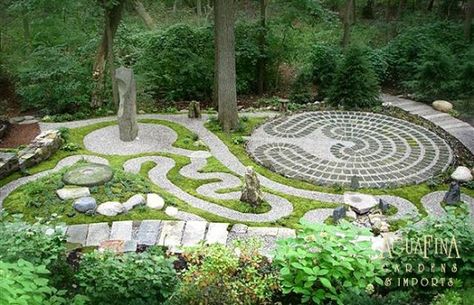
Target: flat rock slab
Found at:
x=194, y=233
x=148, y=232
x=121, y=230
x=360, y=203
x=171, y=233
x=98, y=232
x=217, y=233
x=77, y=234
x=90, y=174
x=73, y=192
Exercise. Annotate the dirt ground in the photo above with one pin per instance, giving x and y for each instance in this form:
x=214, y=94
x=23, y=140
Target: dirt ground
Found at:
x=19, y=135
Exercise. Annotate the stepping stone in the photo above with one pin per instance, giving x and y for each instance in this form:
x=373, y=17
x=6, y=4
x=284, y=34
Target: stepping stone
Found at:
x=110, y=208
x=27, y=122
x=154, y=201
x=194, y=233
x=89, y=174
x=360, y=203
x=98, y=232
x=217, y=233
x=121, y=230
x=134, y=201
x=118, y=246
x=16, y=120
x=73, y=192
x=148, y=232
x=239, y=228
x=77, y=234
x=171, y=233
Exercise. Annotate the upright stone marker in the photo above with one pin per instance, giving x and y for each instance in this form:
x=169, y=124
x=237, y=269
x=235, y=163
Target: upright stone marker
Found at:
x=194, y=110
x=251, y=192
x=127, y=113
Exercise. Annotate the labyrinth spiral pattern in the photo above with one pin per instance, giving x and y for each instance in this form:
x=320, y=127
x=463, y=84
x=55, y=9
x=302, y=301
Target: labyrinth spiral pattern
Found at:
x=331, y=147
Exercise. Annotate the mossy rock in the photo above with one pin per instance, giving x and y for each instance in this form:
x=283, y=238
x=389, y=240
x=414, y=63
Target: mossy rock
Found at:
x=90, y=174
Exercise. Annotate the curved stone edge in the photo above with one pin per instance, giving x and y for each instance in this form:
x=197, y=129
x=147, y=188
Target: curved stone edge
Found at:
x=432, y=203
x=68, y=161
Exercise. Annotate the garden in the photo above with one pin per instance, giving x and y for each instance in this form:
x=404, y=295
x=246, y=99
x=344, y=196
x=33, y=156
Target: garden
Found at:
x=243, y=152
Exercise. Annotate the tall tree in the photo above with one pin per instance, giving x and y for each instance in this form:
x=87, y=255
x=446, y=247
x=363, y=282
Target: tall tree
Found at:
x=112, y=18
x=224, y=18
x=346, y=23
x=469, y=13
x=262, y=62
x=143, y=13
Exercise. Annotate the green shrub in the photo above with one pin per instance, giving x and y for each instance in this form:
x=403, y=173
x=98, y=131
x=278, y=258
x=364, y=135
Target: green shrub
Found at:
x=323, y=65
x=217, y=276
x=301, y=92
x=466, y=84
x=133, y=278
x=393, y=298
x=447, y=298
x=177, y=63
x=355, y=84
x=435, y=76
x=324, y=263
x=36, y=243
x=22, y=283
x=453, y=226
x=54, y=80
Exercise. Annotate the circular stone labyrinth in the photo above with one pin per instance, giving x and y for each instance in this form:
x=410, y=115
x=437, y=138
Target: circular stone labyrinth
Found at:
x=331, y=147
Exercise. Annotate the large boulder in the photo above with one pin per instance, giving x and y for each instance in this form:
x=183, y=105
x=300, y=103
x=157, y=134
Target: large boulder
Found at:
x=462, y=174
x=360, y=203
x=443, y=106
x=127, y=113
x=73, y=192
x=86, y=205
x=110, y=208
x=251, y=192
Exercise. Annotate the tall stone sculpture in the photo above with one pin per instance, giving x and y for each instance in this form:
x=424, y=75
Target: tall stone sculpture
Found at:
x=127, y=113
x=251, y=192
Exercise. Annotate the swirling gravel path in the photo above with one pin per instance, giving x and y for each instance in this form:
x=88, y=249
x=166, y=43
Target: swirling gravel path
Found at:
x=158, y=175
x=221, y=152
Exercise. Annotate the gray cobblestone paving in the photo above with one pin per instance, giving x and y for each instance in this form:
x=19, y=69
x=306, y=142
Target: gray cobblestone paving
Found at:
x=432, y=203
x=329, y=147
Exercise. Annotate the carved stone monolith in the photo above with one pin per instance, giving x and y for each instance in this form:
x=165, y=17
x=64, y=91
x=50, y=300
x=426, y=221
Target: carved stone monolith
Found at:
x=127, y=113
x=194, y=111
x=251, y=192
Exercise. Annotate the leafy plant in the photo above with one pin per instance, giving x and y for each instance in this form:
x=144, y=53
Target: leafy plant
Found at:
x=448, y=298
x=355, y=84
x=132, y=278
x=328, y=263
x=23, y=283
x=218, y=275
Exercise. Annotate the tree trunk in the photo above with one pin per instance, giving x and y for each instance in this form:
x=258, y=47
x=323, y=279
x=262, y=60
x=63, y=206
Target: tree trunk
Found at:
x=199, y=8
x=430, y=6
x=142, y=12
x=401, y=5
x=346, y=24
x=27, y=31
x=354, y=12
x=110, y=59
x=468, y=20
x=262, y=62
x=225, y=59
x=114, y=15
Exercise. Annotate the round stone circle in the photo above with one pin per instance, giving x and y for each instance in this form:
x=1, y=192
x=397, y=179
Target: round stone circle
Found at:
x=331, y=147
x=89, y=174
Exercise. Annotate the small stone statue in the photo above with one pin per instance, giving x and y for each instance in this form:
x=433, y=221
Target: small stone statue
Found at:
x=251, y=192
x=355, y=185
x=453, y=195
x=127, y=113
x=194, y=110
x=383, y=206
x=339, y=213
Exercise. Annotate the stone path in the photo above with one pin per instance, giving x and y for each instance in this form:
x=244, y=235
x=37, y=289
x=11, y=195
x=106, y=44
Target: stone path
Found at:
x=457, y=128
x=331, y=147
x=174, y=234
